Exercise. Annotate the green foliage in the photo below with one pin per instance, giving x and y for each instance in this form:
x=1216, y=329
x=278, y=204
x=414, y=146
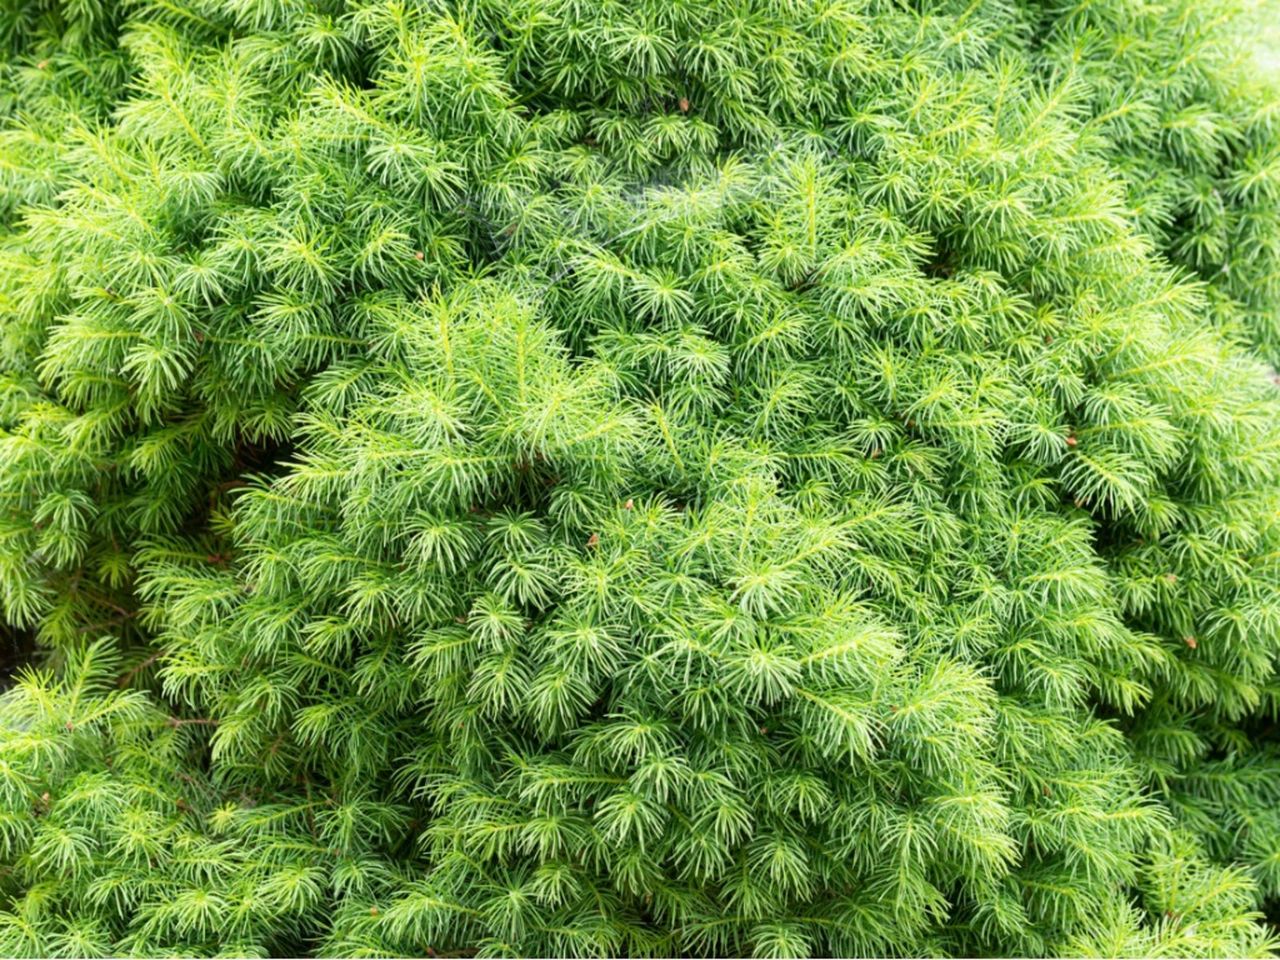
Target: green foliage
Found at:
x=549, y=477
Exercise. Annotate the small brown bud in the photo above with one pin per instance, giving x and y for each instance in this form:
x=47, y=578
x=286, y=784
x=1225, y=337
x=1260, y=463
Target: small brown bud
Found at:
x=1071, y=441
x=69, y=725
x=1170, y=578
x=42, y=65
x=629, y=505
x=373, y=911
x=419, y=255
x=1190, y=642
x=684, y=104
x=593, y=540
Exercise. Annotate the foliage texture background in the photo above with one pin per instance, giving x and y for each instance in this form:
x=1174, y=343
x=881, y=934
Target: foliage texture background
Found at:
x=596, y=478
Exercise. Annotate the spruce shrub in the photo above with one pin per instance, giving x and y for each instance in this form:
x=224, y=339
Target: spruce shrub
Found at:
x=671, y=477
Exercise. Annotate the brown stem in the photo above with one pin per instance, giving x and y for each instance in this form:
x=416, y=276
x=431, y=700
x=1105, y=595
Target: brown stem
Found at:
x=125, y=680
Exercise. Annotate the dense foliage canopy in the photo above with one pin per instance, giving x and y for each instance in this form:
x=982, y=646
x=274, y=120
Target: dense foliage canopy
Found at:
x=586, y=477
